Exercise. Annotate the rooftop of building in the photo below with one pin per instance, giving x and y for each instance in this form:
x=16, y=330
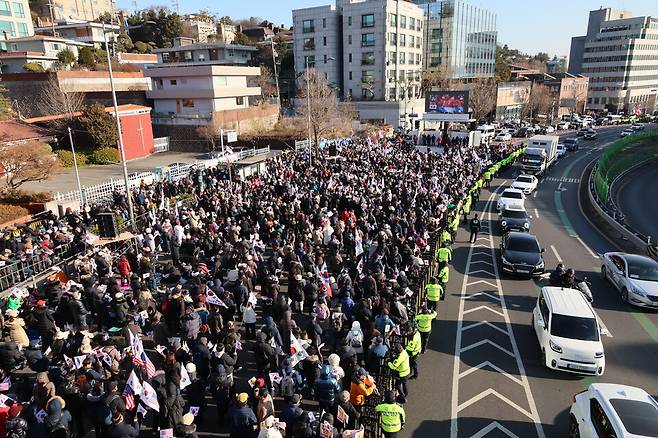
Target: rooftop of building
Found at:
x=12, y=130
x=72, y=23
x=47, y=38
x=205, y=46
x=126, y=108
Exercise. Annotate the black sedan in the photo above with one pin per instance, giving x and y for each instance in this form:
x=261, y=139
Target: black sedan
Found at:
x=512, y=218
x=590, y=135
x=521, y=254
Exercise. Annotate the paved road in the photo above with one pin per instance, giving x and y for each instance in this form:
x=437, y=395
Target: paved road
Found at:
x=632, y=195
x=495, y=385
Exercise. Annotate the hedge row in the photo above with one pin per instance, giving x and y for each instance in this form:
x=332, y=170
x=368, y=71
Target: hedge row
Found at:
x=99, y=156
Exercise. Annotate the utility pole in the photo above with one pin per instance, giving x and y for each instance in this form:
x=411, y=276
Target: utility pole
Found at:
x=122, y=148
x=75, y=165
x=276, y=76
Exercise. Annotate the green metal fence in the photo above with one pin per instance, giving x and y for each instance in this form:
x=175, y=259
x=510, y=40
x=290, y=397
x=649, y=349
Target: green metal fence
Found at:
x=618, y=158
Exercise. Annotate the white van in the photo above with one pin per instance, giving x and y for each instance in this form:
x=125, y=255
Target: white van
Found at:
x=488, y=132
x=568, y=332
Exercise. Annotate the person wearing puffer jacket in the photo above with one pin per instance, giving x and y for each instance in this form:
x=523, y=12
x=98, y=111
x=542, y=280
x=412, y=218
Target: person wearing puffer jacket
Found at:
x=16, y=330
x=327, y=389
x=335, y=368
x=355, y=338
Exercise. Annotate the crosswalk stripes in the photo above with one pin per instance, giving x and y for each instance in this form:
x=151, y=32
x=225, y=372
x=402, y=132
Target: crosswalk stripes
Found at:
x=563, y=180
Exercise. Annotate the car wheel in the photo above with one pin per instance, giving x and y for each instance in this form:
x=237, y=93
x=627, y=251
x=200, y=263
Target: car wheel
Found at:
x=624, y=295
x=604, y=272
x=574, y=430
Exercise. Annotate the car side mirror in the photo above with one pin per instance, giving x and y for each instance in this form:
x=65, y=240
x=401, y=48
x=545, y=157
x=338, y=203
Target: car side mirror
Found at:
x=543, y=250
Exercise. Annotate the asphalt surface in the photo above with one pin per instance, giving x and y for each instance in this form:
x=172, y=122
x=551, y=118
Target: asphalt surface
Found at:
x=496, y=385
x=631, y=198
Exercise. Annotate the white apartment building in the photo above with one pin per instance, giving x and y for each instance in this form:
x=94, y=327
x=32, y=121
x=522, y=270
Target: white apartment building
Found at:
x=15, y=19
x=205, y=53
x=199, y=27
x=40, y=49
x=371, y=50
x=80, y=30
x=193, y=94
x=619, y=54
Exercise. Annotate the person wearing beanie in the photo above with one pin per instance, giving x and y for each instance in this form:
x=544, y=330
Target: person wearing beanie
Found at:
x=186, y=428
x=348, y=408
x=120, y=429
x=269, y=429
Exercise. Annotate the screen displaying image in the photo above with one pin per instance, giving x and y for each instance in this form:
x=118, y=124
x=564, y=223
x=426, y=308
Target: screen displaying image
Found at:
x=446, y=102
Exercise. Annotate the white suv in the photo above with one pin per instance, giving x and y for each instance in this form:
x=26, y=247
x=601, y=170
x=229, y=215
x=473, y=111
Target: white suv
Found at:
x=511, y=198
x=568, y=332
x=609, y=410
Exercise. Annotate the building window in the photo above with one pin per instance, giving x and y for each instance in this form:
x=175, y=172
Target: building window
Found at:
x=418, y=58
x=19, y=12
x=349, y=39
x=310, y=60
x=324, y=59
x=368, y=76
x=173, y=82
x=368, y=20
x=412, y=23
x=393, y=58
x=393, y=38
x=349, y=20
x=239, y=100
x=368, y=58
x=393, y=20
x=188, y=103
x=55, y=47
x=309, y=43
x=22, y=30
x=437, y=34
x=4, y=9
x=403, y=21
x=349, y=57
x=324, y=41
x=367, y=94
x=324, y=23
x=403, y=40
x=349, y=75
x=411, y=58
x=308, y=26
x=367, y=39
x=403, y=58
x=412, y=41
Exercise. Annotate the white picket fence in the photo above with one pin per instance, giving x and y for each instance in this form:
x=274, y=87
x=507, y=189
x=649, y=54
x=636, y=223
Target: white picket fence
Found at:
x=103, y=192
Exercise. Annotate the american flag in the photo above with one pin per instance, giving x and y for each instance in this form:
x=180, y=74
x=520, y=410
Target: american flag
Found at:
x=150, y=368
x=129, y=397
x=137, y=361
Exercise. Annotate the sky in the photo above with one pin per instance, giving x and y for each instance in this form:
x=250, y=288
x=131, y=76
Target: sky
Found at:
x=528, y=25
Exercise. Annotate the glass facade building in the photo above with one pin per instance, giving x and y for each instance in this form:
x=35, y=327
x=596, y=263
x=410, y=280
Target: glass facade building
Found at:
x=459, y=36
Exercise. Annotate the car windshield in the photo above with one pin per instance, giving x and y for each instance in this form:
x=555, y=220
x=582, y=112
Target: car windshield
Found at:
x=642, y=269
x=523, y=244
x=574, y=327
x=515, y=214
x=639, y=418
x=524, y=179
x=512, y=195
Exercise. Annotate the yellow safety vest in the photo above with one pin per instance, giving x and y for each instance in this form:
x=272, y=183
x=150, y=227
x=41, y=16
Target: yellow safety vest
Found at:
x=424, y=321
x=444, y=274
x=455, y=223
x=444, y=254
x=401, y=364
x=414, y=345
x=445, y=236
x=392, y=416
x=433, y=291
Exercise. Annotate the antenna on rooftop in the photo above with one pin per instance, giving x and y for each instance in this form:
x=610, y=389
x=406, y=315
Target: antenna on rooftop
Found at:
x=176, y=5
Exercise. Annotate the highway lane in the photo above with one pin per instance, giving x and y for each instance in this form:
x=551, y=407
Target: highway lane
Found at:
x=497, y=385
x=631, y=197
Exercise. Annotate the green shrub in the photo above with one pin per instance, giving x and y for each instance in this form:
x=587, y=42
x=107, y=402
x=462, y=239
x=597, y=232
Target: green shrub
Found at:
x=25, y=197
x=11, y=212
x=66, y=157
x=105, y=156
x=33, y=67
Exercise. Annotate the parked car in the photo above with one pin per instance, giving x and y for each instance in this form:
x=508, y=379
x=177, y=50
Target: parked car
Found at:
x=571, y=144
x=514, y=218
x=503, y=136
x=582, y=132
x=634, y=276
x=526, y=183
x=590, y=135
x=521, y=254
x=563, y=126
x=568, y=332
x=612, y=410
x=561, y=150
x=626, y=132
x=510, y=197
x=637, y=126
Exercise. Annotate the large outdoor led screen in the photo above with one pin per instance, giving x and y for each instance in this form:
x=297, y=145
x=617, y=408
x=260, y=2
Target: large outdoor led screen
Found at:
x=446, y=102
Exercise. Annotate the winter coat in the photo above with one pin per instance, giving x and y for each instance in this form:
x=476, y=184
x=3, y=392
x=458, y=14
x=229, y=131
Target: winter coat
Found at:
x=354, y=335
x=242, y=422
x=17, y=332
x=42, y=320
x=124, y=267
x=10, y=356
x=326, y=387
x=57, y=416
x=191, y=325
x=122, y=430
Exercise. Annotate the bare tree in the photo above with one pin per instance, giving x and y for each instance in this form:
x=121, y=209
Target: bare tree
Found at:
x=211, y=133
x=266, y=82
x=539, y=101
x=32, y=161
x=325, y=111
x=437, y=78
x=482, y=97
x=54, y=100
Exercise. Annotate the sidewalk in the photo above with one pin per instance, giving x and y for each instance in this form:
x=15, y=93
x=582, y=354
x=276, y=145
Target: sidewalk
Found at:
x=92, y=175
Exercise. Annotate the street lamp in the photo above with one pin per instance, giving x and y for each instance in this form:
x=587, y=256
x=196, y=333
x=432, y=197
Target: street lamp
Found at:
x=276, y=76
x=122, y=150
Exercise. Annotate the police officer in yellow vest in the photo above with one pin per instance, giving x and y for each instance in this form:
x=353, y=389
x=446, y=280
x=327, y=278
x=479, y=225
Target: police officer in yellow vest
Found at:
x=401, y=368
x=413, y=348
x=433, y=293
x=424, y=324
x=392, y=415
x=444, y=276
x=445, y=237
x=444, y=255
x=466, y=209
x=454, y=225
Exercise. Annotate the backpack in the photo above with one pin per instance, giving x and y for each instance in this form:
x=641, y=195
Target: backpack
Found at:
x=357, y=342
x=337, y=321
x=58, y=430
x=105, y=412
x=321, y=312
x=287, y=387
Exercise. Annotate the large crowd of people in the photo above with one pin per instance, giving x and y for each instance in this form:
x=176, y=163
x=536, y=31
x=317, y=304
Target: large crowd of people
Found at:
x=267, y=307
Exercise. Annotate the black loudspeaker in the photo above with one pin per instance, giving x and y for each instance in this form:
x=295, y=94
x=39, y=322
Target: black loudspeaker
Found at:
x=107, y=225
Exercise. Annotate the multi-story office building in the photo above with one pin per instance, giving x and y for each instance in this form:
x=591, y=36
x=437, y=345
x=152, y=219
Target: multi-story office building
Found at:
x=619, y=54
x=370, y=50
x=460, y=36
x=48, y=10
x=15, y=19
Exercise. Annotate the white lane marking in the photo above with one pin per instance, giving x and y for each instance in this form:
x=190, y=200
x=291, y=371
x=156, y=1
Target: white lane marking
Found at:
x=536, y=212
x=475, y=309
x=493, y=297
x=456, y=375
x=487, y=342
x=557, y=256
x=587, y=248
x=559, y=187
x=493, y=426
x=534, y=194
x=604, y=329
